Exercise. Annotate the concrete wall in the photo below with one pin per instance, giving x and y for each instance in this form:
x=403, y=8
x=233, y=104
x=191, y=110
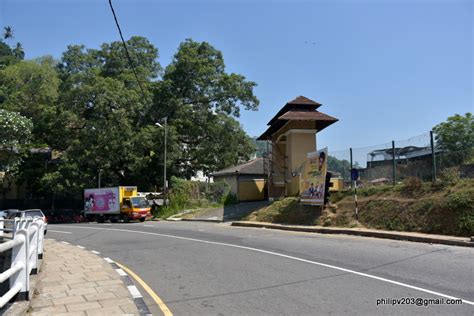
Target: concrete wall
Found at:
x=251, y=189
x=298, y=144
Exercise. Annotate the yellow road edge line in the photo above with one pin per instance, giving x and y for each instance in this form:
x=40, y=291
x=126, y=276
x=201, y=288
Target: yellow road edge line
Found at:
x=148, y=289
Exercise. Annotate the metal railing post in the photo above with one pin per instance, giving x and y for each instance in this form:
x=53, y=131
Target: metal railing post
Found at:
x=20, y=256
x=33, y=251
x=40, y=239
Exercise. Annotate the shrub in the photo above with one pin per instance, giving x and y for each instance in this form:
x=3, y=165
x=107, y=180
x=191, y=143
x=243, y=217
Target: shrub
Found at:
x=229, y=198
x=461, y=205
x=411, y=186
x=450, y=176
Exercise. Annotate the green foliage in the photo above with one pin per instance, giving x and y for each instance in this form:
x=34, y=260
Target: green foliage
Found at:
x=200, y=99
x=455, y=138
x=15, y=129
x=461, y=204
x=261, y=147
x=229, y=199
x=15, y=134
x=89, y=107
x=185, y=195
x=450, y=176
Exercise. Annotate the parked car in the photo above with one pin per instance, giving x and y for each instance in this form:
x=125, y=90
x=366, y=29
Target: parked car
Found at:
x=12, y=214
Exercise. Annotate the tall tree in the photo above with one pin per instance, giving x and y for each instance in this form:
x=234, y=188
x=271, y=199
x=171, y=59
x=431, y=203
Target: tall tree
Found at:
x=455, y=137
x=200, y=100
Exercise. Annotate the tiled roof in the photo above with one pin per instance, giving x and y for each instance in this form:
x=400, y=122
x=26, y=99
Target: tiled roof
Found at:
x=254, y=166
x=301, y=103
x=304, y=100
x=306, y=116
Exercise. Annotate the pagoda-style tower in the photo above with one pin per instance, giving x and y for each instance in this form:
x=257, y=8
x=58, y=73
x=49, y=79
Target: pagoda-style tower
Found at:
x=292, y=135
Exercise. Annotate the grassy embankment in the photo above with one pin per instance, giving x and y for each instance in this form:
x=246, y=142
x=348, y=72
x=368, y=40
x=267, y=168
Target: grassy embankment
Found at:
x=446, y=207
x=189, y=195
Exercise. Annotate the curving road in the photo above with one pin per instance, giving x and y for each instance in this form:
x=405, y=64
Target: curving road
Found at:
x=216, y=269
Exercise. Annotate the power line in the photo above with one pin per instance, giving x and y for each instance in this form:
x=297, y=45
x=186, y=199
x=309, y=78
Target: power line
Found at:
x=126, y=49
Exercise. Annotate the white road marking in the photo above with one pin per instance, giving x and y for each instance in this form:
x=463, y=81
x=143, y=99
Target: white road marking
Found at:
x=292, y=258
x=65, y=242
x=148, y=226
x=134, y=291
x=96, y=252
x=59, y=231
x=109, y=260
x=80, y=247
x=121, y=272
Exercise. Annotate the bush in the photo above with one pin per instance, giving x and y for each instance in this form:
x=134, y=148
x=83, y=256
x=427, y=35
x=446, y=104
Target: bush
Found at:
x=229, y=198
x=412, y=186
x=450, y=176
x=461, y=205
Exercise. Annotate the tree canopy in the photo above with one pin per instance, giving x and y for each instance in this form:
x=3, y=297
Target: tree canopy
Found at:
x=89, y=108
x=456, y=137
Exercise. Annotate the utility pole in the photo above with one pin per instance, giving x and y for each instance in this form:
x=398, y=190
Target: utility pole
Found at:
x=165, y=186
x=165, y=183
x=433, y=156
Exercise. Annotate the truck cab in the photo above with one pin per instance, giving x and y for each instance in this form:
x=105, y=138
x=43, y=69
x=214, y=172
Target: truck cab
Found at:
x=135, y=208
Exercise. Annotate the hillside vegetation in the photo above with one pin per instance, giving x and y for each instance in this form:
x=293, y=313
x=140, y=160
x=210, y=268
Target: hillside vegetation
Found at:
x=446, y=207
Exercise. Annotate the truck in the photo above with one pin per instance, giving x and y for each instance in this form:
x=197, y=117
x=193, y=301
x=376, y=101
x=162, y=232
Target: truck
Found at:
x=114, y=204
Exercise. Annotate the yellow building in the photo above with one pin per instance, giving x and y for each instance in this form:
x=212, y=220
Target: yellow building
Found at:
x=292, y=135
x=247, y=181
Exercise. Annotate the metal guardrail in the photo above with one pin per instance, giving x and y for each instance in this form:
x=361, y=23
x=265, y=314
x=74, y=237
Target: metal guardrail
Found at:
x=25, y=237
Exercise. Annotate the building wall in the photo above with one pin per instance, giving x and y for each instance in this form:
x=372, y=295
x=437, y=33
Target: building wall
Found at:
x=291, y=145
x=298, y=144
x=246, y=187
x=251, y=189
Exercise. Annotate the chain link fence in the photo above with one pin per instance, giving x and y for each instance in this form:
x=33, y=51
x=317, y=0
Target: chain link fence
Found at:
x=389, y=163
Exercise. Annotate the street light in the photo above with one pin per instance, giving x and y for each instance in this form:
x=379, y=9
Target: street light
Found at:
x=165, y=184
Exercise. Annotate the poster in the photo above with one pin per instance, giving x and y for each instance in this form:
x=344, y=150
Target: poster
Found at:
x=101, y=200
x=313, y=178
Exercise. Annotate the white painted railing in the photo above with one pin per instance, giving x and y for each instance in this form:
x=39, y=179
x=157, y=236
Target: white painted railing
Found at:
x=25, y=237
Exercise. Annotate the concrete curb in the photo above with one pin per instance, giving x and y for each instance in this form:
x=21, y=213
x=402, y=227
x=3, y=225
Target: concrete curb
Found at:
x=416, y=237
x=201, y=220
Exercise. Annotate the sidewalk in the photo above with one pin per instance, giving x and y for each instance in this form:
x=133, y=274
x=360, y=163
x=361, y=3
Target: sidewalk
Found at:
x=74, y=281
x=410, y=236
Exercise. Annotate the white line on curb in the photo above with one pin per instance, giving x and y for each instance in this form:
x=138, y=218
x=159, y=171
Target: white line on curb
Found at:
x=59, y=231
x=134, y=291
x=80, y=247
x=109, y=260
x=65, y=242
x=96, y=252
x=121, y=272
x=147, y=226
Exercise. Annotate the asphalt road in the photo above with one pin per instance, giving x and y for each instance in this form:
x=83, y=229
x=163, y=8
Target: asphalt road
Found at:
x=216, y=269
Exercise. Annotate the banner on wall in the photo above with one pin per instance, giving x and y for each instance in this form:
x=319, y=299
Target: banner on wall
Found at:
x=313, y=178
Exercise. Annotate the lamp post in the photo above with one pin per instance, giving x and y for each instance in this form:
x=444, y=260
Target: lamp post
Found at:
x=165, y=183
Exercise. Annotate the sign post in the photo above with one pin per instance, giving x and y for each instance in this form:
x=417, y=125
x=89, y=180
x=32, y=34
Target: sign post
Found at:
x=354, y=177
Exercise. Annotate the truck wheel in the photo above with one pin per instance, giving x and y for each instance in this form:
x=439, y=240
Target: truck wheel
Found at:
x=100, y=219
x=142, y=219
x=114, y=220
x=126, y=219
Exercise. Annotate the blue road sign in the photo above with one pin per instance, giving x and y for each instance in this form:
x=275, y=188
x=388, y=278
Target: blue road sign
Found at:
x=354, y=174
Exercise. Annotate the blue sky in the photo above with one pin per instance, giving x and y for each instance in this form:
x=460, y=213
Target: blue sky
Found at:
x=387, y=69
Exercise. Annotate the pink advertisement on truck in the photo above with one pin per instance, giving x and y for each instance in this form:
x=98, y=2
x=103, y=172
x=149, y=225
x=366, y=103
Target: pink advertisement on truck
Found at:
x=105, y=200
